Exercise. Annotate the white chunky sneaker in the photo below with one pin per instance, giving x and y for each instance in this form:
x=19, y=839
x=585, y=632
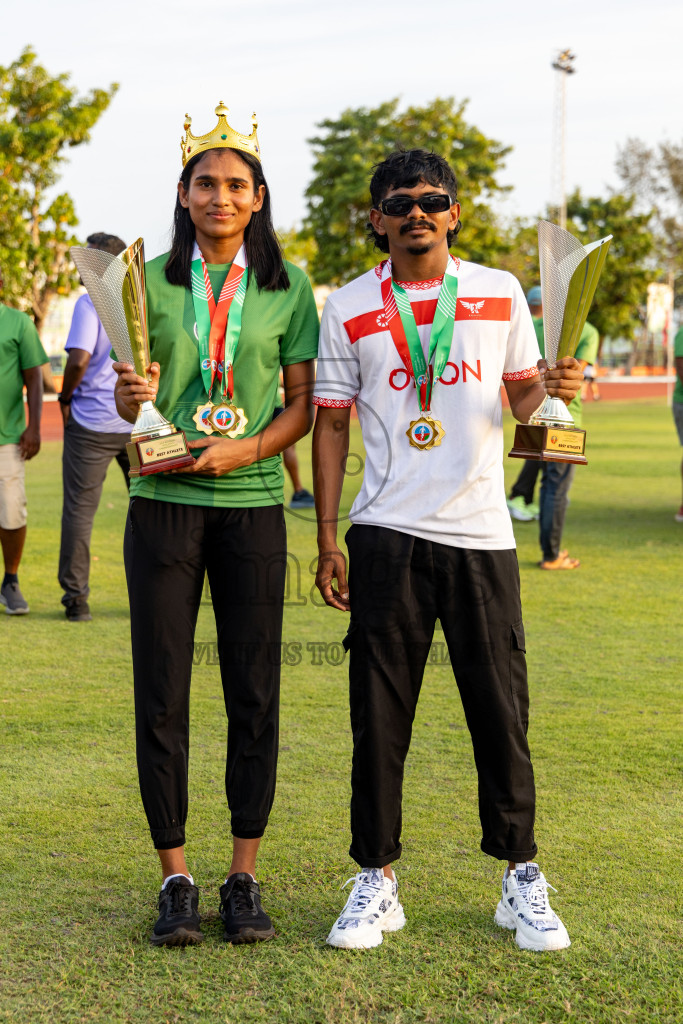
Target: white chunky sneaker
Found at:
x=372, y=908
x=524, y=907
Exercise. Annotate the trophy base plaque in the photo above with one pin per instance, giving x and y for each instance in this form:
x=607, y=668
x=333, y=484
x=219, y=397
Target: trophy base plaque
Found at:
x=158, y=454
x=549, y=444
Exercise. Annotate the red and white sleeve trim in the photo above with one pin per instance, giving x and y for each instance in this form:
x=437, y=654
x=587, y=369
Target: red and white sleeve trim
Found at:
x=334, y=403
x=521, y=374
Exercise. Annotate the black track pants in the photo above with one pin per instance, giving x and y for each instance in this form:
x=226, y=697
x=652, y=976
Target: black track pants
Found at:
x=399, y=585
x=167, y=549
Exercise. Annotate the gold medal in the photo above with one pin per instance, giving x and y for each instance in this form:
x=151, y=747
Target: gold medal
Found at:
x=228, y=420
x=201, y=418
x=425, y=433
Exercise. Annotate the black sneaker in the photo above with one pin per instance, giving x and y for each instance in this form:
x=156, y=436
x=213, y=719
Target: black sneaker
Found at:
x=244, y=918
x=78, y=611
x=178, y=923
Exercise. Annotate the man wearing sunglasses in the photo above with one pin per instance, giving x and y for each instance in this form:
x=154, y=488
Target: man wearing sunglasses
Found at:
x=420, y=345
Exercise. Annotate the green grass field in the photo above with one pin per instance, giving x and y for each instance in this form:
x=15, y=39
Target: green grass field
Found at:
x=80, y=877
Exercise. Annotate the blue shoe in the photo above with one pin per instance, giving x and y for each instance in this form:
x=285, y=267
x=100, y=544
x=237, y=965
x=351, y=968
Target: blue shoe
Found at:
x=302, y=499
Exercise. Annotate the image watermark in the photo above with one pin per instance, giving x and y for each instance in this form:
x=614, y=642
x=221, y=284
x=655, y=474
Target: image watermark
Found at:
x=262, y=580
x=317, y=653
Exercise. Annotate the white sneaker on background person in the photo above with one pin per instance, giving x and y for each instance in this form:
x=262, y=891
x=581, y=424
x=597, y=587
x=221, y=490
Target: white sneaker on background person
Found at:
x=525, y=909
x=371, y=909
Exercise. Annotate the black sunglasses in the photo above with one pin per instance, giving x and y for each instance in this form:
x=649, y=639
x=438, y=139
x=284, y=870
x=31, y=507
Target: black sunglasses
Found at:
x=400, y=206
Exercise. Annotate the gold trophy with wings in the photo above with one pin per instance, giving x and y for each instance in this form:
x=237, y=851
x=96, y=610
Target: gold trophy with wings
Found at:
x=116, y=285
x=569, y=276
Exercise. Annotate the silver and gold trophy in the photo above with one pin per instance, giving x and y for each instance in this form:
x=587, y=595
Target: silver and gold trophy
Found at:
x=569, y=276
x=116, y=285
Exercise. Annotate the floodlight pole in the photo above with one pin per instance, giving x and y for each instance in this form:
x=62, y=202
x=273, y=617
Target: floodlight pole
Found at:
x=564, y=66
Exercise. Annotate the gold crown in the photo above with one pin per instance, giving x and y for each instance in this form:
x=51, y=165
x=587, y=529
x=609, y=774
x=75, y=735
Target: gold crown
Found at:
x=222, y=137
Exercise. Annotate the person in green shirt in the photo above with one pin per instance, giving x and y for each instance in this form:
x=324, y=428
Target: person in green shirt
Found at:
x=21, y=357
x=223, y=515
x=521, y=504
x=557, y=477
x=677, y=404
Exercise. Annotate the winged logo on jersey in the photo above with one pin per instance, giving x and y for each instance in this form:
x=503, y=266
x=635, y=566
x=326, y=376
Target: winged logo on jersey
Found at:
x=474, y=307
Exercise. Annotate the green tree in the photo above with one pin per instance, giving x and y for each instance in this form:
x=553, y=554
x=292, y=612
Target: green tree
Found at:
x=622, y=288
x=40, y=116
x=338, y=198
x=300, y=248
x=655, y=176
x=520, y=255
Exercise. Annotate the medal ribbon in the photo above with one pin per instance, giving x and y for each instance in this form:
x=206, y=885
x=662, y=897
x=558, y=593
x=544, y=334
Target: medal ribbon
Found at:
x=401, y=323
x=218, y=323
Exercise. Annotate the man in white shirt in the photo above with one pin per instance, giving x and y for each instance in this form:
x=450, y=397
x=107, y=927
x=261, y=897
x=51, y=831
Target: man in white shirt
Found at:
x=420, y=344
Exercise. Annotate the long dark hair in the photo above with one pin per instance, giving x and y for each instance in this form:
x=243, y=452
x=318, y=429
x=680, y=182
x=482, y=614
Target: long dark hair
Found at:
x=406, y=169
x=260, y=241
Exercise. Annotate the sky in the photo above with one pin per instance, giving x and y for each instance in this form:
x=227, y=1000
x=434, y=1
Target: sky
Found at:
x=299, y=62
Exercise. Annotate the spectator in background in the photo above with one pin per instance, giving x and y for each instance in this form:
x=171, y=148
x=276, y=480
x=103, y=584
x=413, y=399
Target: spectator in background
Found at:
x=556, y=477
x=678, y=401
x=301, y=498
x=94, y=434
x=21, y=359
x=590, y=382
x=521, y=504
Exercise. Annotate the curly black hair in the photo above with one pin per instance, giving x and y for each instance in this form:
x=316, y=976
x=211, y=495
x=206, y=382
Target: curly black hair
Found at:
x=404, y=169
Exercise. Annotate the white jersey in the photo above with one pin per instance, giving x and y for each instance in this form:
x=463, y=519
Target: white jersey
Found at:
x=454, y=493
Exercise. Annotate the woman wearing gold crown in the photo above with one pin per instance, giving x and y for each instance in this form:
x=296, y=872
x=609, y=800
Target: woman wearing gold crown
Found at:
x=225, y=313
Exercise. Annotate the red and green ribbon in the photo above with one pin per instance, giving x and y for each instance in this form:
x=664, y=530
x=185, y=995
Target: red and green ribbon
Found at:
x=403, y=327
x=218, y=323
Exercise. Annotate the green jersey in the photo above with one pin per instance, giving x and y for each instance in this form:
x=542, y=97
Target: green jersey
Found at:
x=678, y=352
x=20, y=349
x=278, y=329
x=586, y=350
